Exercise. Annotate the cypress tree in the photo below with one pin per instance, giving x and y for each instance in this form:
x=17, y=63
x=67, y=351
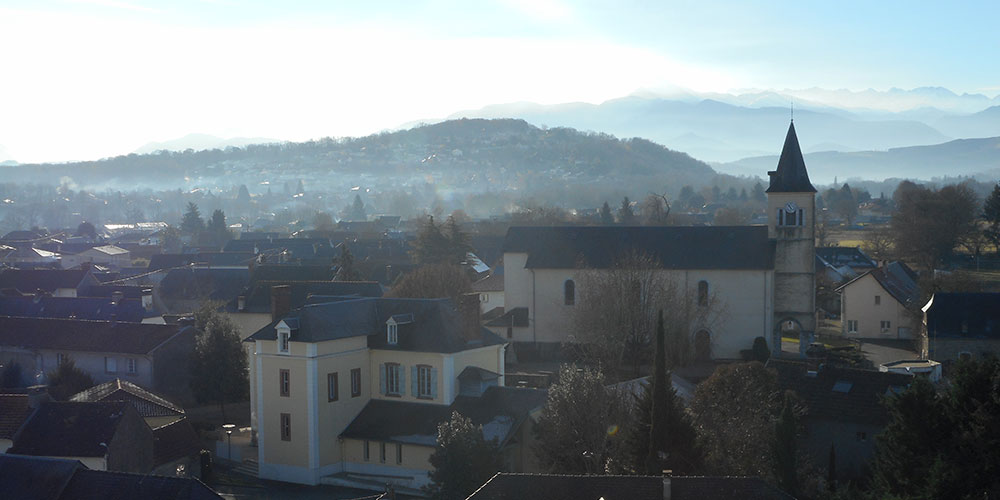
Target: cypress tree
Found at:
x=657, y=434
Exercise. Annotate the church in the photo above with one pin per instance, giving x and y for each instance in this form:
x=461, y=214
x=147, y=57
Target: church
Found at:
x=761, y=278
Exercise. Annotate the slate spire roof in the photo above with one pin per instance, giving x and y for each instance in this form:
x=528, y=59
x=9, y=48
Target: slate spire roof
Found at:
x=791, y=175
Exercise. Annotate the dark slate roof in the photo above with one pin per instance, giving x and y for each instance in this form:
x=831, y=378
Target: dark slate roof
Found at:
x=477, y=373
x=841, y=394
x=204, y=283
x=517, y=316
x=436, y=327
x=173, y=441
x=845, y=256
x=80, y=335
x=296, y=248
x=70, y=429
x=210, y=259
x=897, y=280
x=36, y=478
x=791, y=175
x=713, y=247
x=491, y=283
x=510, y=486
x=91, y=308
x=276, y=272
x=499, y=410
x=963, y=315
x=145, y=402
x=104, y=290
x=258, y=294
x=124, y=486
x=29, y=280
x=14, y=411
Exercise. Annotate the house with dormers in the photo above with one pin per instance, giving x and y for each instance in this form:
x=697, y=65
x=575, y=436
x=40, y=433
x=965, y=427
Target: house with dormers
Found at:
x=760, y=280
x=350, y=390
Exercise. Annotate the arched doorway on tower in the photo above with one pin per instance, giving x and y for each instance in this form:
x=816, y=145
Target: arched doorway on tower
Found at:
x=788, y=333
x=702, y=346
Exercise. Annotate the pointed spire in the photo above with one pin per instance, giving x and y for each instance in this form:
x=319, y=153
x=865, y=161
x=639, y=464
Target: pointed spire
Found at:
x=791, y=175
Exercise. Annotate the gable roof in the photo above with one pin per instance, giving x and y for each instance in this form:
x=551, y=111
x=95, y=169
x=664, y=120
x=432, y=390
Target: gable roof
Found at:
x=510, y=486
x=838, y=393
x=91, y=308
x=845, y=256
x=517, y=316
x=14, y=410
x=145, y=402
x=175, y=440
x=258, y=293
x=70, y=429
x=109, y=250
x=963, y=315
x=791, y=175
x=35, y=478
x=710, y=247
x=499, y=410
x=204, y=283
x=436, y=325
x=49, y=280
x=895, y=280
x=279, y=272
x=211, y=259
x=87, y=336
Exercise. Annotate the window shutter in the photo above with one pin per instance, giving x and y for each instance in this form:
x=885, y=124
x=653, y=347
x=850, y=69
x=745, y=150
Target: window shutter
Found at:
x=402, y=379
x=434, y=383
x=414, y=389
x=381, y=379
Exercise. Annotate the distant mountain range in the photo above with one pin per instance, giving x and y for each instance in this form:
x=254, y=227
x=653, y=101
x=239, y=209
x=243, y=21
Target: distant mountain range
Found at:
x=199, y=142
x=963, y=157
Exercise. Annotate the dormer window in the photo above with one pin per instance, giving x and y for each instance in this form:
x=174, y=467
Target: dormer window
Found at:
x=283, y=340
x=392, y=327
x=392, y=334
x=284, y=330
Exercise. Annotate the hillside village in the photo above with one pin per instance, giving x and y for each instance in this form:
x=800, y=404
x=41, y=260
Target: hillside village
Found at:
x=747, y=339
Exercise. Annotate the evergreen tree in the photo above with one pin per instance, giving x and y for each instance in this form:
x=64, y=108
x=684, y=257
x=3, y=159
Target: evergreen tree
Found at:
x=68, y=380
x=991, y=214
x=607, y=218
x=345, y=264
x=743, y=195
x=358, y=212
x=463, y=459
x=191, y=223
x=458, y=241
x=785, y=448
x=657, y=436
x=626, y=216
x=758, y=193
x=437, y=244
x=219, y=364
x=217, y=228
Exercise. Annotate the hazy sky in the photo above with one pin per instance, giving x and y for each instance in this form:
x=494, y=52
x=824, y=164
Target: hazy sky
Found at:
x=91, y=78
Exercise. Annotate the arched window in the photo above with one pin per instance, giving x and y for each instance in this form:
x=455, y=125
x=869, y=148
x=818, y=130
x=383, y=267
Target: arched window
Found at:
x=702, y=293
x=569, y=292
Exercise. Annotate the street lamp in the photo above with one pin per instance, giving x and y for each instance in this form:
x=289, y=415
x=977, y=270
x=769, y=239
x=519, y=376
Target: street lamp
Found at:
x=229, y=436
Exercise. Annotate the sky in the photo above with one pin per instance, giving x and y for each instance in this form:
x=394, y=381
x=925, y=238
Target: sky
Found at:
x=85, y=79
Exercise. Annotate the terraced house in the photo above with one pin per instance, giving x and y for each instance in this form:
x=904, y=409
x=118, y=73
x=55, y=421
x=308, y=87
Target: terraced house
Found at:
x=350, y=391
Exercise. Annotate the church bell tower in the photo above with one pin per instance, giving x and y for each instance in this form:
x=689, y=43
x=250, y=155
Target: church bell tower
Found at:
x=791, y=215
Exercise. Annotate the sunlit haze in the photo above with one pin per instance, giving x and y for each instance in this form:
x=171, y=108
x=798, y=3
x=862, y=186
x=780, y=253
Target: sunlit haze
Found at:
x=90, y=79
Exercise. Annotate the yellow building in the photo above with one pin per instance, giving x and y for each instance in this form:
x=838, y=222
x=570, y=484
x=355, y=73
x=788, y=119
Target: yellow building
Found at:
x=350, y=391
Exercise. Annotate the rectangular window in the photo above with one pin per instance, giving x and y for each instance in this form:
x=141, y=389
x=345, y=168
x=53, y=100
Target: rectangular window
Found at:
x=878, y=299
x=130, y=363
x=60, y=358
x=381, y=452
x=355, y=382
x=423, y=381
x=852, y=326
x=367, y=450
x=110, y=365
x=393, y=334
x=399, y=453
x=332, y=387
x=286, y=427
x=392, y=382
x=802, y=218
x=885, y=326
x=283, y=341
x=285, y=382
x=510, y=332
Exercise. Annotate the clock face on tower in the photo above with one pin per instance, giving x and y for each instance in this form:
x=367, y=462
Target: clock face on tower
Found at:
x=791, y=207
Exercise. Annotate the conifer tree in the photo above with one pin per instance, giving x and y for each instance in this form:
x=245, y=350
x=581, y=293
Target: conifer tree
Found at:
x=657, y=434
x=607, y=218
x=192, y=223
x=785, y=448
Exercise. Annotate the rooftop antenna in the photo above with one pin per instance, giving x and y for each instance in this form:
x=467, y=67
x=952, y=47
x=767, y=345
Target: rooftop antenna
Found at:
x=791, y=105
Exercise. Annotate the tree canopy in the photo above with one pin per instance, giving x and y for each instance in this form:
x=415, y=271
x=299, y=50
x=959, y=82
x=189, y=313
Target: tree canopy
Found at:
x=463, y=459
x=432, y=281
x=67, y=379
x=192, y=223
x=928, y=224
x=440, y=244
x=218, y=365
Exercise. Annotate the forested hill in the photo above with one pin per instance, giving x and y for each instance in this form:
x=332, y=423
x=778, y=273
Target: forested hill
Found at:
x=467, y=155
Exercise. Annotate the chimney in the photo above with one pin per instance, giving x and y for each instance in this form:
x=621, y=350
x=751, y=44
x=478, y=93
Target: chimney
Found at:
x=468, y=310
x=281, y=301
x=241, y=303
x=147, y=299
x=667, y=488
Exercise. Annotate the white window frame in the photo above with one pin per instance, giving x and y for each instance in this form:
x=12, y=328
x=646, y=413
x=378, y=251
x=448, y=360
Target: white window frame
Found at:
x=885, y=326
x=283, y=340
x=852, y=323
x=392, y=382
x=355, y=382
x=131, y=366
x=424, y=389
x=392, y=333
